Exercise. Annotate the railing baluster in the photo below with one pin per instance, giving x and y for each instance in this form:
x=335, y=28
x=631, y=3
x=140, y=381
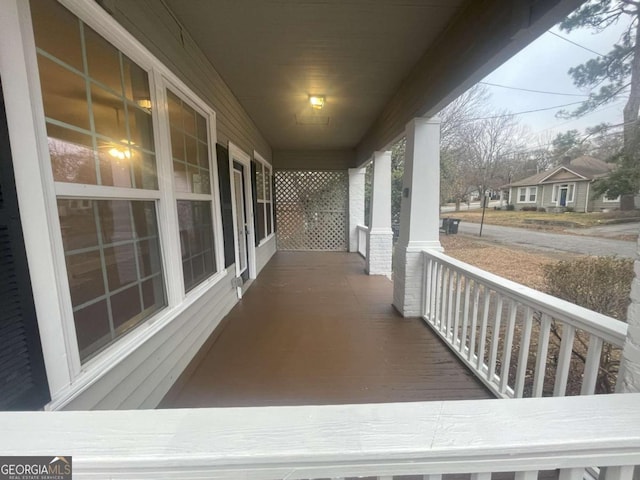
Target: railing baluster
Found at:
x=474, y=322
x=465, y=319
x=456, y=320
x=493, y=356
x=523, y=359
x=564, y=360
x=485, y=320
x=426, y=304
x=452, y=274
x=438, y=294
x=541, y=355
x=508, y=347
x=481, y=476
x=433, y=293
x=619, y=473
x=591, y=366
x=571, y=474
x=443, y=298
x=528, y=475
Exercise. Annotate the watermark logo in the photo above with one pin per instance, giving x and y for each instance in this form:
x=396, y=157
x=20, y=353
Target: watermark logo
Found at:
x=35, y=468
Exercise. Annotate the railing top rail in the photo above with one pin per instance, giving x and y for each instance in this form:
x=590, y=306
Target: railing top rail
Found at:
x=339, y=440
x=609, y=329
x=362, y=227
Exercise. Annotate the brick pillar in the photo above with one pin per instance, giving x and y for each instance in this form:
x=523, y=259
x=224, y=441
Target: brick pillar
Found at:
x=380, y=244
x=419, y=213
x=356, y=205
x=629, y=375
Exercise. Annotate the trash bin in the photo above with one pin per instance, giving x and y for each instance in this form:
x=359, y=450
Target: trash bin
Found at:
x=453, y=225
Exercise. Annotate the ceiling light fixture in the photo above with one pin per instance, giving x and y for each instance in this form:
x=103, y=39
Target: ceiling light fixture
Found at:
x=316, y=101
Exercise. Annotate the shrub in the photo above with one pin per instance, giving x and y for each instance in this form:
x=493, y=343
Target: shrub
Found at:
x=601, y=284
x=542, y=209
x=511, y=207
x=529, y=209
x=569, y=209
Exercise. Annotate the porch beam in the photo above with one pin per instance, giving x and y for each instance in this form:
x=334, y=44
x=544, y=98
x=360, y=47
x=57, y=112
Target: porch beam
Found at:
x=380, y=244
x=419, y=213
x=356, y=205
x=482, y=37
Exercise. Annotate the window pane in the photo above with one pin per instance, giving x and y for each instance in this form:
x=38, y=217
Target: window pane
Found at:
x=118, y=282
x=259, y=181
x=108, y=114
x=190, y=154
x=115, y=164
x=78, y=224
x=64, y=94
x=140, y=127
x=196, y=241
x=267, y=184
x=103, y=61
x=57, y=31
x=136, y=83
x=260, y=225
x=269, y=221
x=72, y=155
x=144, y=169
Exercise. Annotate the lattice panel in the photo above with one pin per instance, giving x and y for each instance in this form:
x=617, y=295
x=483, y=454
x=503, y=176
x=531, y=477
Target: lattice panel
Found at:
x=312, y=210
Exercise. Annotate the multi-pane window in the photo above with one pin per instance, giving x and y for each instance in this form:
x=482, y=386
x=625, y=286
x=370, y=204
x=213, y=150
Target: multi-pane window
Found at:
x=192, y=181
x=264, y=215
x=112, y=253
x=527, y=194
x=97, y=108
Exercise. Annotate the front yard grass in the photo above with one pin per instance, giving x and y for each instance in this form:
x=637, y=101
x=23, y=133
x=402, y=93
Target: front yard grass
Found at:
x=543, y=220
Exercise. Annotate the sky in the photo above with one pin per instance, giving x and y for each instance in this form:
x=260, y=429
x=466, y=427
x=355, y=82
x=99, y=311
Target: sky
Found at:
x=544, y=65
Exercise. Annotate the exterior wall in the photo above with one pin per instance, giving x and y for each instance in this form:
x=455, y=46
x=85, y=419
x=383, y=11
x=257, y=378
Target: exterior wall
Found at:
x=151, y=23
x=264, y=252
x=598, y=204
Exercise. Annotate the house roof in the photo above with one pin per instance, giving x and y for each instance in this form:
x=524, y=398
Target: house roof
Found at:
x=581, y=168
x=379, y=64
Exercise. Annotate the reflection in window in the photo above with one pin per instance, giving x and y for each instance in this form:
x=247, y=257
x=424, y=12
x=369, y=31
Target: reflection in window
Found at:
x=189, y=147
x=95, y=97
x=264, y=223
x=196, y=241
x=112, y=253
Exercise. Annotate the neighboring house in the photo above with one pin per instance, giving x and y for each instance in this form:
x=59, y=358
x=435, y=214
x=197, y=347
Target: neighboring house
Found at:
x=567, y=186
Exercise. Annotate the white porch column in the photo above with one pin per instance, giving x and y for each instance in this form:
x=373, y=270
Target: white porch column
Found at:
x=380, y=244
x=356, y=205
x=629, y=374
x=419, y=213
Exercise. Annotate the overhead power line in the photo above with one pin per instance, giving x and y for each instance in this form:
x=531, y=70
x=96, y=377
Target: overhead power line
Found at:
x=574, y=43
x=533, y=91
x=522, y=113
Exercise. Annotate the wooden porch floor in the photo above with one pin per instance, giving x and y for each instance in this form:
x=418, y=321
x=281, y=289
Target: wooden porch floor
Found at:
x=313, y=329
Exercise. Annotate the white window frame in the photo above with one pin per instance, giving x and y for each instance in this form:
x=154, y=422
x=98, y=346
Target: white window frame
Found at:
x=609, y=200
x=266, y=166
x=571, y=192
x=38, y=193
x=527, y=193
x=180, y=90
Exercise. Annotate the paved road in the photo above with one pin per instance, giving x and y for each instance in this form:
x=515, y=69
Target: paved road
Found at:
x=554, y=242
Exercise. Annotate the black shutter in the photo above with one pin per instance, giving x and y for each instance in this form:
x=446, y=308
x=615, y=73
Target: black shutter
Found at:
x=259, y=225
x=224, y=181
x=23, y=380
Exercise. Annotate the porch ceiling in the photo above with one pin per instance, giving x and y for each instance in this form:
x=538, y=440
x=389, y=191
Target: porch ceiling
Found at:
x=378, y=63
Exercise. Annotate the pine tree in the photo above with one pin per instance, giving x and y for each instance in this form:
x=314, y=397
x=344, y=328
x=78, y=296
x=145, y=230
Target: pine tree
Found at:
x=611, y=76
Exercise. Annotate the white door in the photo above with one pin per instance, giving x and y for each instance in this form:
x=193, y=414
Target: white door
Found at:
x=241, y=221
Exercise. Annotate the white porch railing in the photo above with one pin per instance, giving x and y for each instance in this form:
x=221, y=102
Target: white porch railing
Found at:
x=363, y=239
x=310, y=442
x=515, y=339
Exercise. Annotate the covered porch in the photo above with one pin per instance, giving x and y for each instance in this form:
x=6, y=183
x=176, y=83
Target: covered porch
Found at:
x=314, y=329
